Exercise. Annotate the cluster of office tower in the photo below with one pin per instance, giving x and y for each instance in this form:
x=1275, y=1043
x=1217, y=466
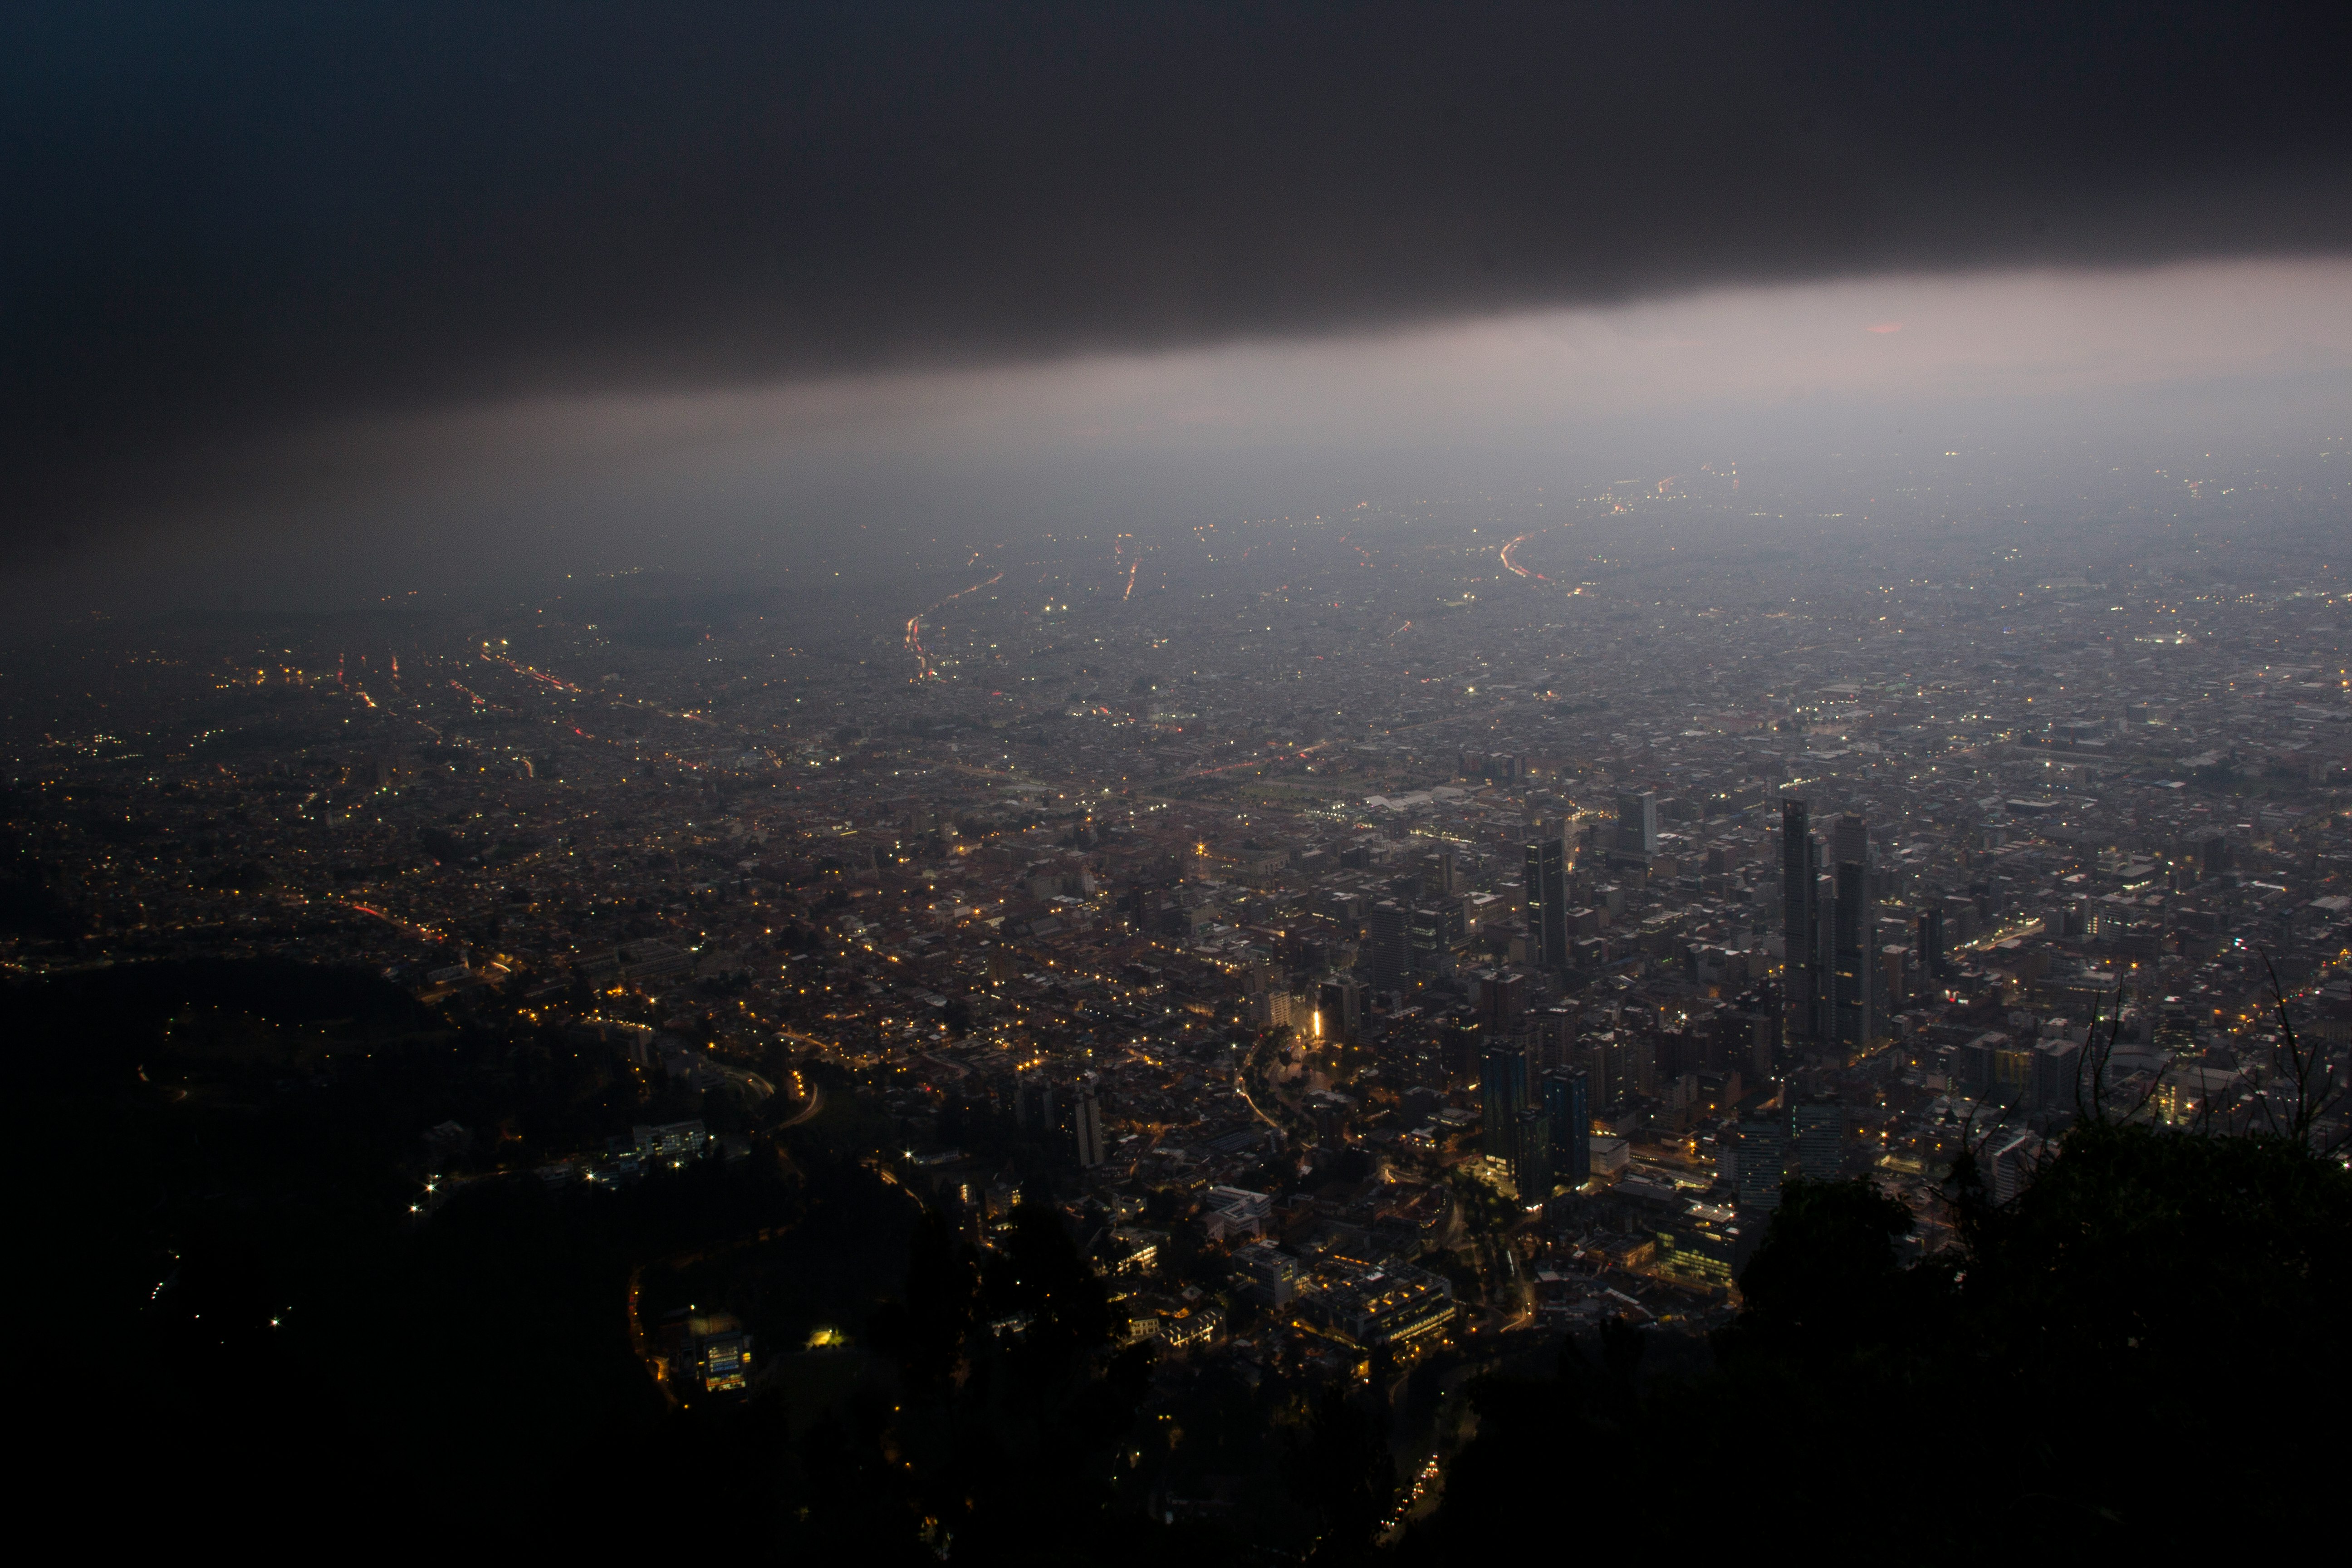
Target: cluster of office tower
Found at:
x=1831, y=982
x=1540, y=1129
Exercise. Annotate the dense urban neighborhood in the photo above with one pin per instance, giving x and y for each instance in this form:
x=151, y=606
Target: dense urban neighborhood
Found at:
x=1380, y=938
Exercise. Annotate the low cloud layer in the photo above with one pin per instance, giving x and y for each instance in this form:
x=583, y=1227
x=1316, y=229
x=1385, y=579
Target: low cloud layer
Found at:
x=228, y=222
x=861, y=471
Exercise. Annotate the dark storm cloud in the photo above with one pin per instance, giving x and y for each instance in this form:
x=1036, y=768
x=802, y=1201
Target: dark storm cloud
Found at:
x=222, y=220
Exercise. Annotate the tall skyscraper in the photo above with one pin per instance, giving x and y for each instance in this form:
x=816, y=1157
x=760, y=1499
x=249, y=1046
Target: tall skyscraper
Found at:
x=1638, y=1064
x=1392, y=957
x=1893, y=983
x=1931, y=946
x=1463, y=1045
x=1502, y=1094
x=1568, y=1109
x=1853, y=928
x=1800, y=866
x=1760, y=1154
x=2011, y=1163
x=1756, y=1016
x=1338, y=1009
x=1547, y=903
x=2212, y=856
x=1088, y=1125
x=1637, y=825
x=1426, y=936
x=2058, y=1080
x=1555, y=1037
x=1824, y=949
x=1531, y=1156
x=1502, y=997
x=1602, y=1057
x=1821, y=1141
x=1033, y=1108
x=1850, y=839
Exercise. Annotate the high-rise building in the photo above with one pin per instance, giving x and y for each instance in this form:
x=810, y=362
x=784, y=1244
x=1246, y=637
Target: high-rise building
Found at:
x=1502, y=1094
x=2057, y=1074
x=1850, y=839
x=1338, y=1009
x=2010, y=1164
x=1756, y=1015
x=1820, y=1130
x=1567, y=1112
x=1801, y=958
x=1638, y=1064
x=1461, y=1047
x=1502, y=996
x=1547, y=903
x=1087, y=1126
x=1034, y=1108
x=1555, y=1037
x=1894, y=986
x=1267, y=1275
x=1637, y=827
x=1824, y=951
x=2212, y=856
x=1391, y=956
x=1532, y=1157
x=1761, y=1153
x=1602, y=1059
x=1853, y=926
x=1426, y=936
x=1931, y=945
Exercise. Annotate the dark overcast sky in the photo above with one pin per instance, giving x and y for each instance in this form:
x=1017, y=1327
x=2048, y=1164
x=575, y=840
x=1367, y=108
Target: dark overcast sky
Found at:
x=225, y=220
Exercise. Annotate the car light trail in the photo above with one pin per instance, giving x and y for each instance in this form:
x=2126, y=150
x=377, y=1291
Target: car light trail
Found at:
x=924, y=668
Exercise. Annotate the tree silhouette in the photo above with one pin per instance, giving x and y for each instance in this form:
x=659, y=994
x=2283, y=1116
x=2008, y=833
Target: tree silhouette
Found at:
x=1340, y=1468
x=2154, y=1297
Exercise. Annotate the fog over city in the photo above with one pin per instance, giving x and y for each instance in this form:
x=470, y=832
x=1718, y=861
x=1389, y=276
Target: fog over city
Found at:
x=775, y=482
x=1041, y=784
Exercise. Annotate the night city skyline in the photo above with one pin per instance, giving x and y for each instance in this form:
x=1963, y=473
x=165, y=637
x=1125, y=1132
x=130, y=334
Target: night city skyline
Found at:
x=1189, y=784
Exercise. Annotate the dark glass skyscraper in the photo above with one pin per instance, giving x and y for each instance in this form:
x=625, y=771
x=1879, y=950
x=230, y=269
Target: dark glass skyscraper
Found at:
x=1392, y=957
x=1850, y=840
x=1086, y=1124
x=1853, y=928
x=1531, y=1158
x=1801, y=922
x=1568, y=1108
x=1502, y=1094
x=1547, y=903
x=1760, y=1152
x=1637, y=824
x=1340, y=1005
x=1426, y=934
x=1931, y=945
x=1819, y=1133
